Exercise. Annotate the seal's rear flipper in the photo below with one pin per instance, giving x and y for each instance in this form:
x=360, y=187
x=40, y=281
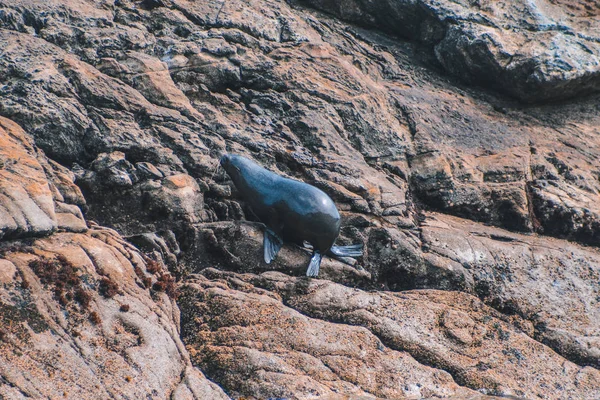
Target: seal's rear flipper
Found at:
x=271, y=245
x=353, y=250
x=314, y=264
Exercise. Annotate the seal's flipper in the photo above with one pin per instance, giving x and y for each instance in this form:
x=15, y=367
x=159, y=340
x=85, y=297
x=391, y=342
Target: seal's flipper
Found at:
x=353, y=250
x=271, y=245
x=314, y=264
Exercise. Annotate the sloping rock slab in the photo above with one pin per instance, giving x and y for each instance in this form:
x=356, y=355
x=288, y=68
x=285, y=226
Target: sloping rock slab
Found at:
x=452, y=331
x=537, y=50
x=26, y=204
x=552, y=284
x=248, y=341
x=76, y=321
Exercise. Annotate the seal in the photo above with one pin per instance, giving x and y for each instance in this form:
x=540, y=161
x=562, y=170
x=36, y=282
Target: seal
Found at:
x=292, y=211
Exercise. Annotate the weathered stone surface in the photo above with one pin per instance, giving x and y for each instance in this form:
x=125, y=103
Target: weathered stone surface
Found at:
x=302, y=98
x=77, y=319
x=26, y=206
x=135, y=101
x=248, y=341
x=537, y=51
x=77, y=322
x=553, y=285
x=138, y=198
x=235, y=317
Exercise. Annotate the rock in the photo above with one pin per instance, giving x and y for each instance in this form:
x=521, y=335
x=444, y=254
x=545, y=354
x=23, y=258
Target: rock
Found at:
x=537, y=51
x=62, y=185
x=551, y=284
x=69, y=209
x=7, y=271
x=566, y=211
x=137, y=202
x=456, y=191
x=163, y=245
x=26, y=206
x=148, y=170
x=70, y=223
x=181, y=196
x=256, y=346
x=243, y=316
x=150, y=76
x=106, y=161
x=499, y=196
x=63, y=334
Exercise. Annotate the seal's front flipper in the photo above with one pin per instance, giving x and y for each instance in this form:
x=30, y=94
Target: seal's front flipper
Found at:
x=271, y=245
x=353, y=250
x=314, y=264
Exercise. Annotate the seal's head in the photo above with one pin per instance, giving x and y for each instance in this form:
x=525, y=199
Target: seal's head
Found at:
x=225, y=160
x=234, y=165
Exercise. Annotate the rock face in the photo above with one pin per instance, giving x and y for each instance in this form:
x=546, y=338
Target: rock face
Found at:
x=78, y=322
x=83, y=313
x=451, y=330
x=536, y=51
x=27, y=203
x=479, y=214
x=256, y=346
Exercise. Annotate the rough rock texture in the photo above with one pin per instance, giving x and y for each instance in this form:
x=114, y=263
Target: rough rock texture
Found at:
x=83, y=314
x=78, y=322
x=473, y=207
x=27, y=205
x=535, y=50
x=259, y=347
x=451, y=330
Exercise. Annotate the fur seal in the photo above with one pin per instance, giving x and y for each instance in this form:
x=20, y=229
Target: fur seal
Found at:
x=292, y=211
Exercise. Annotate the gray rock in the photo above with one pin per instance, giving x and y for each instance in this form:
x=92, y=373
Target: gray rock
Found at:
x=536, y=51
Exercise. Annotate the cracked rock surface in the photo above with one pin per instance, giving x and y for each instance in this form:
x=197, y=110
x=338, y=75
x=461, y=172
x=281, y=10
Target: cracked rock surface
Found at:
x=459, y=140
x=258, y=322
x=76, y=323
x=536, y=50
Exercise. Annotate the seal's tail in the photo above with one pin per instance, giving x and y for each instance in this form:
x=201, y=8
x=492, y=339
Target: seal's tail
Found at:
x=314, y=265
x=353, y=250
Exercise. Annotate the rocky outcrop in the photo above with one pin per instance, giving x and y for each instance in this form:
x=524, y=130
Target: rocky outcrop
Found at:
x=474, y=209
x=83, y=314
x=233, y=317
x=536, y=51
x=250, y=342
x=550, y=284
x=78, y=322
x=27, y=205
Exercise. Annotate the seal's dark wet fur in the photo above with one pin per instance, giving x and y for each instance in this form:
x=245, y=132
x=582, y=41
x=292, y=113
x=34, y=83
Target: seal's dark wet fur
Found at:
x=293, y=211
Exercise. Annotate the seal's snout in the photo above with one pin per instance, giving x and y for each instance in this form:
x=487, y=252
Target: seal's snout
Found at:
x=225, y=160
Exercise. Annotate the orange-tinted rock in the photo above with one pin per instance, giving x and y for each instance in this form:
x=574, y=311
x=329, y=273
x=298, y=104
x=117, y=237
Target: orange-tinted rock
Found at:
x=54, y=345
x=249, y=342
x=26, y=206
x=452, y=330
